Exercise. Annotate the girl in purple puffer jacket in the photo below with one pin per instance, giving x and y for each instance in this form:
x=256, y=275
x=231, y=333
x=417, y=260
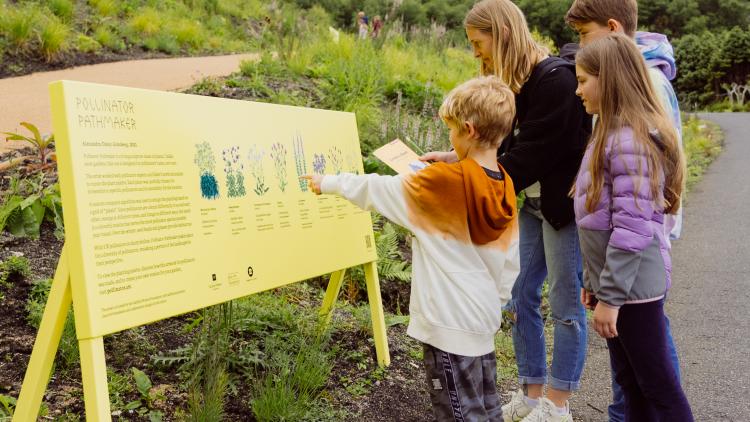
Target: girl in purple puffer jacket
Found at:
x=631, y=176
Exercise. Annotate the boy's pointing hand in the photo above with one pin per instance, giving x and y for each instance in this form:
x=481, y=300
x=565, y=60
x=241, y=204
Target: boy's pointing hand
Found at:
x=313, y=181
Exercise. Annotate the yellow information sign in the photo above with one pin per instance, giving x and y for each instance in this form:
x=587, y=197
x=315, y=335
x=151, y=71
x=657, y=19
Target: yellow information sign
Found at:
x=176, y=202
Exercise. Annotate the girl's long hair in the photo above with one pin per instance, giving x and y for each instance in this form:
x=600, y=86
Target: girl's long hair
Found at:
x=628, y=99
x=514, y=53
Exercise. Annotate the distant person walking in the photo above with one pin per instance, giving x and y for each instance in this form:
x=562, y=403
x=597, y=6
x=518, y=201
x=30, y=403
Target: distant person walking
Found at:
x=362, y=25
x=377, y=25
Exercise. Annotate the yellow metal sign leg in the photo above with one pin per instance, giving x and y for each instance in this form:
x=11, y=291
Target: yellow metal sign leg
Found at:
x=377, y=316
x=45, y=347
x=94, y=374
x=332, y=292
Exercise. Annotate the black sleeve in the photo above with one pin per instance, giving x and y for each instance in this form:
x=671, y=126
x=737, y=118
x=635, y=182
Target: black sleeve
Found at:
x=549, y=131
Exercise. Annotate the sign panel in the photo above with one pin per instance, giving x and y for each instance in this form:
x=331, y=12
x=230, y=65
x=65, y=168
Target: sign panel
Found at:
x=175, y=202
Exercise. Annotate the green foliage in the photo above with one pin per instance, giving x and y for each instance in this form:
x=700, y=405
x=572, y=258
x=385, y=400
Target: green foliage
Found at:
x=7, y=405
x=40, y=143
x=289, y=385
x=677, y=18
x=14, y=269
x=391, y=264
x=105, y=8
x=208, y=380
x=266, y=339
x=702, y=143
x=86, y=44
x=63, y=9
x=67, y=355
x=708, y=61
x=146, y=22
x=119, y=387
x=109, y=39
x=17, y=25
x=53, y=39
x=147, y=397
x=188, y=34
x=27, y=205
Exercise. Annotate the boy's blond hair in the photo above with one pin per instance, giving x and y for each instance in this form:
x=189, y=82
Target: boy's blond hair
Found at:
x=601, y=11
x=487, y=103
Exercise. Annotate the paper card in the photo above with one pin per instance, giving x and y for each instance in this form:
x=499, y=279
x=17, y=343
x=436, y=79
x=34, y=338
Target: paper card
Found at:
x=400, y=157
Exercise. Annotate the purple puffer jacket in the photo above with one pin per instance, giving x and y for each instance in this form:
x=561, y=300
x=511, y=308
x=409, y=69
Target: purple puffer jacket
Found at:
x=623, y=242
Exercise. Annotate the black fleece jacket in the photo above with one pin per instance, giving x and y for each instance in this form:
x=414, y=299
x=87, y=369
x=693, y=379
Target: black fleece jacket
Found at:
x=550, y=136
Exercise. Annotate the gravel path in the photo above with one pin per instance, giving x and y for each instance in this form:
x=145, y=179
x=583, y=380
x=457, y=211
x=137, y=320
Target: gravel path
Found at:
x=708, y=304
x=26, y=98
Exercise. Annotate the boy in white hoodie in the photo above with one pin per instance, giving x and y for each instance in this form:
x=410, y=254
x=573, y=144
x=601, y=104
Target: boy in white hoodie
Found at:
x=464, y=251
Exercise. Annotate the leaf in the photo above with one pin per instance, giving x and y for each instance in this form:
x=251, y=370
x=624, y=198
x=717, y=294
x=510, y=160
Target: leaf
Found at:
x=155, y=416
x=142, y=382
x=135, y=404
x=29, y=200
x=11, y=205
x=391, y=320
x=14, y=223
x=32, y=219
x=17, y=137
x=33, y=129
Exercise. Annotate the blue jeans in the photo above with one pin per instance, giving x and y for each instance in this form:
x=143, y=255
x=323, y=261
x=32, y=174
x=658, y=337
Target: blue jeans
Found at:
x=616, y=410
x=543, y=248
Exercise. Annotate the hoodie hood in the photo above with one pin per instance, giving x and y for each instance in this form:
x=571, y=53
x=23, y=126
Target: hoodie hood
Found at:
x=491, y=204
x=459, y=200
x=658, y=52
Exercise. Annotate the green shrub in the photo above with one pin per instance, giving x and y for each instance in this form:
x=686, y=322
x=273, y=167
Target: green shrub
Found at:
x=67, y=355
x=105, y=7
x=414, y=94
x=63, y=9
x=86, y=44
x=147, y=22
x=104, y=36
x=18, y=25
x=166, y=43
x=14, y=269
x=188, y=34
x=53, y=39
x=702, y=143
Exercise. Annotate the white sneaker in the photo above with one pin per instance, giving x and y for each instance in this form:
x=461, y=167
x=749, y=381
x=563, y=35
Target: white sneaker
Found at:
x=546, y=412
x=517, y=408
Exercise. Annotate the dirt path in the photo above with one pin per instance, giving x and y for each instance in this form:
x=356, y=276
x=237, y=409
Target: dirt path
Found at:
x=25, y=98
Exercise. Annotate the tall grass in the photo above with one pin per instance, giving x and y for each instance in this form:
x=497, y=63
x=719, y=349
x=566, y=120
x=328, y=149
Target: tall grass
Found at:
x=702, y=143
x=188, y=34
x=17, y=24
x=54, y=39
x=105, y=8
x=63, y=9
x=106, y=36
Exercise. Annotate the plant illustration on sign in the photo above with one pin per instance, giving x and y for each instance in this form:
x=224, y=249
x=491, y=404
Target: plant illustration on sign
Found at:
x=204, y=159
x=233, y=169
x=299, y=161
x=319, y=164
x=336, y=159
x=351, y=164
x=256, y=169
x=278, y=154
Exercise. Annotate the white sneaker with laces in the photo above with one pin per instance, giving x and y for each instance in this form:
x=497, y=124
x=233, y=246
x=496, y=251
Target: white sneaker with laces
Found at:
x=546, y=412
x=517, y=408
